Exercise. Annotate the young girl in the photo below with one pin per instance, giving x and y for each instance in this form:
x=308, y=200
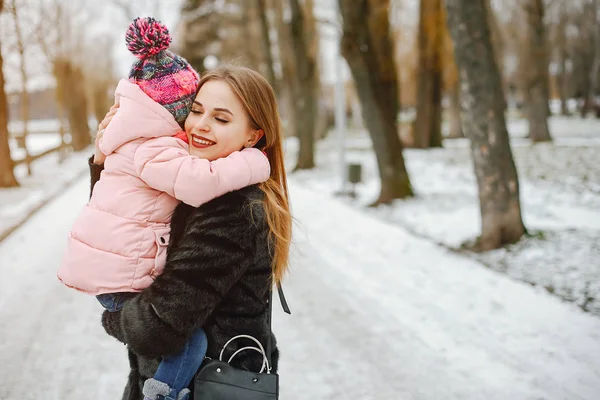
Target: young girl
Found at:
x=117, y=246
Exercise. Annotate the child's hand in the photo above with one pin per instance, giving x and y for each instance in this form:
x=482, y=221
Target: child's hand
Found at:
x=99, y=157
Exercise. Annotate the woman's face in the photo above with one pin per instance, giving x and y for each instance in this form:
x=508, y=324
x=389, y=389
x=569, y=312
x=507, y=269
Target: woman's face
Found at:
x=218, y=124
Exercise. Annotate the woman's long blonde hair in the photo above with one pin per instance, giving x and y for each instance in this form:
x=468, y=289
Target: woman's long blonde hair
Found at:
x=258, y=98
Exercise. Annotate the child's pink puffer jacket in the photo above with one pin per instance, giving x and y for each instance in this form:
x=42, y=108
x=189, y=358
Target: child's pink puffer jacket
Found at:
x=118, y=243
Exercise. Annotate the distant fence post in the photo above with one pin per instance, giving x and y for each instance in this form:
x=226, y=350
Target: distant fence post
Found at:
x=22, y=144
x=27, y=155
x=62, y=152
x=62, y=148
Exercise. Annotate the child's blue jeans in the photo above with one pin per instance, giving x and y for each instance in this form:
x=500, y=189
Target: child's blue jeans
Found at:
x=178, y=370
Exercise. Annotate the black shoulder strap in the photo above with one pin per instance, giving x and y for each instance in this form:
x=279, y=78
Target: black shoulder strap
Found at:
x=285, y=307
x=284, y=303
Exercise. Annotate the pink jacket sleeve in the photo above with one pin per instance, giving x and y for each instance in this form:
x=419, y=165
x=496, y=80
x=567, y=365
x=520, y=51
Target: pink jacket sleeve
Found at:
x=165, y=164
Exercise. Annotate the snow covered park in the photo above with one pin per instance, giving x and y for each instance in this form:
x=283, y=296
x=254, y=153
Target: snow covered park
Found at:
x=384, y=306
x=560, y=198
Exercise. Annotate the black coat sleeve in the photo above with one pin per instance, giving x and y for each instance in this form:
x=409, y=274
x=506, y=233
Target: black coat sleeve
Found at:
x=95, y=171
x=214, y=251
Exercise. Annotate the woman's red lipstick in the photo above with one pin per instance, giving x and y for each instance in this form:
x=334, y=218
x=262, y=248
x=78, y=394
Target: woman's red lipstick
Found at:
x=201, y=142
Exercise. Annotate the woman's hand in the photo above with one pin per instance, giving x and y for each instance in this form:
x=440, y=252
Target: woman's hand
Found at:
x=99, y=157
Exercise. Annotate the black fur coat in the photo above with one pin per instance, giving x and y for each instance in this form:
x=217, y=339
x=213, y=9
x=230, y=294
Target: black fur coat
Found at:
x=217, y=276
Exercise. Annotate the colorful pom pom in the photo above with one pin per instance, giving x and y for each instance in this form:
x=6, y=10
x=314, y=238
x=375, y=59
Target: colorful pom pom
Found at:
x=147, y=37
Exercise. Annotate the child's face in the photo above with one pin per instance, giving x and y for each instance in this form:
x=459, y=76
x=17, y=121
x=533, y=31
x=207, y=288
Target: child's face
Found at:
x=218, y=124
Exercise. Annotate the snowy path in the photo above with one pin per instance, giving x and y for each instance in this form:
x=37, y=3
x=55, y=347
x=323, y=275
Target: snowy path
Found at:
x=377, y=314
x=51, y=337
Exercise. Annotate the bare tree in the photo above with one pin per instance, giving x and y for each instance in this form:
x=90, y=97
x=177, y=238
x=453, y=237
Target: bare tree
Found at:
x=306, y=84
x=451, y=85
x=20, y=40
x=559, y=38
x=582, y=52
x=76, y=103
x=537, y=92
x=62, y=43
x=483, y=120
x=101, y=77
x=286, y=84
x=593, y=88
x=266, y=41
x=200, y=32
x=428, y=123
x=367, y=47
x=226, y=29
x=7, y=176
x=248, y=46
x=498, y=42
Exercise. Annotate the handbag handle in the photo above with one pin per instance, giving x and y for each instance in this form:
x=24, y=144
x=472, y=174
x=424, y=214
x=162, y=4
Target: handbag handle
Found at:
x=262, y=368
x=261, y=350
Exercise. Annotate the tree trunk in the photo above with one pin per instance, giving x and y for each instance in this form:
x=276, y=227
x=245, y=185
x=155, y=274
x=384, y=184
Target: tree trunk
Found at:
x=24, y=92
x=7, y=176
x=483, y=110
x=25, y=113
x=563, y=78
x=266, y=42
x=307, y=87
x=78, y=112
x=538, y=93
x=252, y=47
x=596, y=63
x=498, y=44
x=199, y=32
x=69, y=81
x=367, y=47
x=456, y=130
x=562, y=82
x=581, y=53
x=101, y=99
x=286, y=85
x=427, y=128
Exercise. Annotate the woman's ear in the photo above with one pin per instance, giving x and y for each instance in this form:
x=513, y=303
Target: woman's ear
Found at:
x=254, y=137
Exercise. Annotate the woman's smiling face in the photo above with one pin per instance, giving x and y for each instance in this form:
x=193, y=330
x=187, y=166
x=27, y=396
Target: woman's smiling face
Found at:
x=218, y=124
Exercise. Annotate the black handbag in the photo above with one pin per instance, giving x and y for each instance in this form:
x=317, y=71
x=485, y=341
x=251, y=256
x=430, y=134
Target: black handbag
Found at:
x=217, y=380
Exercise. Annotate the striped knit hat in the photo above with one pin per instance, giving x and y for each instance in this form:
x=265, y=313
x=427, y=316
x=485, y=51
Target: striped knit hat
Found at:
x=165, y=77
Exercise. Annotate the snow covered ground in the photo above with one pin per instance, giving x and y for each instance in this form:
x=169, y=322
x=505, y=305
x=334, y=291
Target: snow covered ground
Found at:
x=377, y=314
x=560, y=194
x=48, y=178
x=380, y=311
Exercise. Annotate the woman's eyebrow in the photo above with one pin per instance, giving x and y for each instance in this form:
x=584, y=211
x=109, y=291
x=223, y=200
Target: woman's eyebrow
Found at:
x=216, y=109
x=224, y=110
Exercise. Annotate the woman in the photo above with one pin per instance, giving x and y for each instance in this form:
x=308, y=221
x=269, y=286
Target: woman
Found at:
x=224, y=255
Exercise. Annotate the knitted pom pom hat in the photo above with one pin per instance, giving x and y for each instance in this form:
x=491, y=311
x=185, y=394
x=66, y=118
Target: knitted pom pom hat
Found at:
x=165, y=77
